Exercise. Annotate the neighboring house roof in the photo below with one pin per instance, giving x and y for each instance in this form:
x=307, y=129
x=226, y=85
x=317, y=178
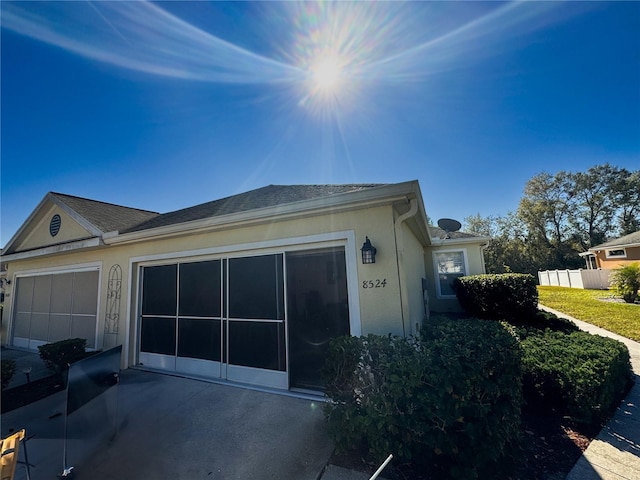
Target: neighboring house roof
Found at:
x=630, y=240
x=106, y=217
x=268, y=196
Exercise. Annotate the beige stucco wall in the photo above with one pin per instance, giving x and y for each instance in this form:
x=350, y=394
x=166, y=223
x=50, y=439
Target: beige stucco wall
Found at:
x=379, y=308
x=412, y=262
x=475, y=262
x=39, y=235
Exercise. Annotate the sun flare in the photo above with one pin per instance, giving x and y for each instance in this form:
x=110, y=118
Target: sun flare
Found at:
x=326, y=73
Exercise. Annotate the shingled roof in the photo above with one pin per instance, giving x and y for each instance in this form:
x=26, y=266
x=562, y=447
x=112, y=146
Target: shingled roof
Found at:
x=632, y=239
x=268, y=196
x=437, y=232
x=107, y=217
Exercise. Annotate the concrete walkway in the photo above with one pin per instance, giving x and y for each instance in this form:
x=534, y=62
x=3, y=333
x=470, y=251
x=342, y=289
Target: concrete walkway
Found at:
x=615, y=453
x=26, y=362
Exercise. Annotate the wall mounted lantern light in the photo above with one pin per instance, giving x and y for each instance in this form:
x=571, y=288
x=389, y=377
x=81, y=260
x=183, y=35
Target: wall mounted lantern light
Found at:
x=368, y=252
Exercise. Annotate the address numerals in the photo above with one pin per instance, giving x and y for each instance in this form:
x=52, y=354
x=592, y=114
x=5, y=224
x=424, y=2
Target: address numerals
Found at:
x=377, y=283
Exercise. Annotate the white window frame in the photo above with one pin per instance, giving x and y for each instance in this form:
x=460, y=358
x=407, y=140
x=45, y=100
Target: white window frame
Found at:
x=609, y=255
x=435, y=254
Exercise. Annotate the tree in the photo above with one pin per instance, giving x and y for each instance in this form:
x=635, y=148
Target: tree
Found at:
x=628, y=201
x=595, y=193
x=508, y=250
x=559, y=217
x=546, y=210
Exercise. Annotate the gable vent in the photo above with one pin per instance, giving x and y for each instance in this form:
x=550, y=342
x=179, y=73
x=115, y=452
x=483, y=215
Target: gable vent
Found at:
x=54, y=225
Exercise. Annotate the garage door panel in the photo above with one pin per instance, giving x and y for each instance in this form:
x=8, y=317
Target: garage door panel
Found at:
x=22, y=325
x=85, y=293
x=41, y=294
x=39, y=327
x=59, y=327
x=61, y=291
x=84, y=326
x=54, y=307
x=24, y=294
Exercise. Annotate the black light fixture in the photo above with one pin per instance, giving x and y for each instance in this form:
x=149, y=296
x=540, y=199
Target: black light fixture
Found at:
x=368, y=252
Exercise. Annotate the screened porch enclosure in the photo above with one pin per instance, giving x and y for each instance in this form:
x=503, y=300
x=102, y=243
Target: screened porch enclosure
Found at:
x=228, y=318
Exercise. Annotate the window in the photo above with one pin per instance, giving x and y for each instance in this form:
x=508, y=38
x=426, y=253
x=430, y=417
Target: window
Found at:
x=618, y=253
x=449, y=266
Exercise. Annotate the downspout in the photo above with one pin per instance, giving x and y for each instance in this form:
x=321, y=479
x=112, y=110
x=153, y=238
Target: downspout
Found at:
x=404, y=301
x=483, y=247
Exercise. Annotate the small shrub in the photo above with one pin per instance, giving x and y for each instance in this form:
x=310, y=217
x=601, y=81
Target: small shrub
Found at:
x=577, y=374
x=8, y=371
x=507, y=296
x=450, y=400
x=626, y=281
x=58, y=356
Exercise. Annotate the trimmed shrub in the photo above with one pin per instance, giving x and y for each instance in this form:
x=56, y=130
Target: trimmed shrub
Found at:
x=58, y=356
x=450, y=401
x=626, y=282
x=578, y=374
x=542, y=321
x=8, y=368
x=507, y=296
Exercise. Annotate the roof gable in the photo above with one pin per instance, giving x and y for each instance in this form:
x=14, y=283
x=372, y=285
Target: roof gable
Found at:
x=79, y=219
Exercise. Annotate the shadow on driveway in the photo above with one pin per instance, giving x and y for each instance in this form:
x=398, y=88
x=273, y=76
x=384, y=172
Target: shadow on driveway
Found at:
x=178, y=428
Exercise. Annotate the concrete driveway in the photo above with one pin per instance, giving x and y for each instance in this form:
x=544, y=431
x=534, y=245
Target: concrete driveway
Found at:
x=178, y=428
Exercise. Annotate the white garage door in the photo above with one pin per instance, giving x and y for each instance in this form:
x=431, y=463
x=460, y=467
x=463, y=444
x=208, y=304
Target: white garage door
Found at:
x=54, y=307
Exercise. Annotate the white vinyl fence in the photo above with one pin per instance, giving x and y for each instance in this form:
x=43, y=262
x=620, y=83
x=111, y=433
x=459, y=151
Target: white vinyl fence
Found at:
x=590, y=279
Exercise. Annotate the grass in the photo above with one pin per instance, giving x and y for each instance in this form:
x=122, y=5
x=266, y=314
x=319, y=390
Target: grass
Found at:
x=586, y=305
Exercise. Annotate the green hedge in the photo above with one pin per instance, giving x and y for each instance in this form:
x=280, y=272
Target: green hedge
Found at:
x=450, y=401
x=8, y=368
x=577, y=374
x=58, y=356
x=507, y=296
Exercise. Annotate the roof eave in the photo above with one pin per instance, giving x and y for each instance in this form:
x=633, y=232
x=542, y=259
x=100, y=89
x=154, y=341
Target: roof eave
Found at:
x=374, y=196
x=53, y=249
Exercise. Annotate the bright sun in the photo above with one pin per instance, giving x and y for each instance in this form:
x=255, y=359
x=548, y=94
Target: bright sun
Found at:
x=326, y=73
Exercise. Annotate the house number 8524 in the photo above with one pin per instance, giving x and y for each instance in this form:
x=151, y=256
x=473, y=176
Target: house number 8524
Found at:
x=377, y=283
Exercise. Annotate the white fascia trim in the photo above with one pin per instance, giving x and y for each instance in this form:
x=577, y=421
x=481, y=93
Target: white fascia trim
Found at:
x=335, y=203
x=53, y=249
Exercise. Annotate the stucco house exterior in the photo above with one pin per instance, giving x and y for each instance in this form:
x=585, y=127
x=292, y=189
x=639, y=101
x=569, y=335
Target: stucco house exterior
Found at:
x=245, y=289
x=614, y=253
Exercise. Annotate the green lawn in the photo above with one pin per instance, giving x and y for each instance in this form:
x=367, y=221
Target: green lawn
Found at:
x=621, y=318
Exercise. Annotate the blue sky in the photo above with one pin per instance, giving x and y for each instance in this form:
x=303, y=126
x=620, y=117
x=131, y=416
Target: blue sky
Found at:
x=166, y=105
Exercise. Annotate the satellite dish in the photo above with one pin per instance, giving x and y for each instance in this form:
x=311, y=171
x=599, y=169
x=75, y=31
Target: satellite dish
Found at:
x=449, y=225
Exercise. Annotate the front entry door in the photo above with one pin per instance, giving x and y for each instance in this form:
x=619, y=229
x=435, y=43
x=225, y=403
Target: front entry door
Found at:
x=318, y=311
